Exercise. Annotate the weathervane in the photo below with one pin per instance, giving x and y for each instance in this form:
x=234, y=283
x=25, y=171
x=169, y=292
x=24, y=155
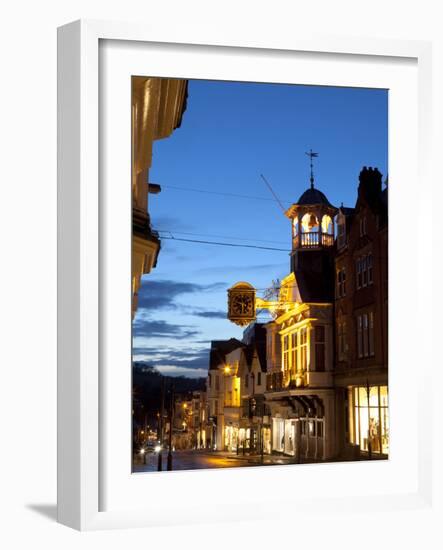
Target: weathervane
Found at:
x=312, y=155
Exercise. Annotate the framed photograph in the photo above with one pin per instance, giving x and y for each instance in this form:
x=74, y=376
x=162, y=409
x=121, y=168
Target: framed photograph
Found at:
x=232, y=289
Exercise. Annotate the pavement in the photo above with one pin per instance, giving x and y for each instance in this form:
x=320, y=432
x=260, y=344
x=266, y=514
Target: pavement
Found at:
x=201, y=459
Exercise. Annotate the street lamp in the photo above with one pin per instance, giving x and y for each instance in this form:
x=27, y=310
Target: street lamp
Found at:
x=143, y=453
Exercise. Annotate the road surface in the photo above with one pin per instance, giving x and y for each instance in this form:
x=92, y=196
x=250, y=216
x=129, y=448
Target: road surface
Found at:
x=196, y=460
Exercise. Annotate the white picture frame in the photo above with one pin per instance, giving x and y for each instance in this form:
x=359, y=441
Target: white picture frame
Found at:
x=85, y=469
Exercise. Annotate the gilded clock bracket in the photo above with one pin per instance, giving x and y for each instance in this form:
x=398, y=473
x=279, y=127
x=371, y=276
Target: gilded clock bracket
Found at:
x=243, y=304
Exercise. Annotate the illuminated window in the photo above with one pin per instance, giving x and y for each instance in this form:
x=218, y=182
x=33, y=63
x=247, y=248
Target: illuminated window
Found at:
x=278, y=434
x=303, y=338
x=294, y=353
x=320, y=355
x=285, y=346
x=370, y=418
x=310, y=231
x=326, y=224
x=309, y=223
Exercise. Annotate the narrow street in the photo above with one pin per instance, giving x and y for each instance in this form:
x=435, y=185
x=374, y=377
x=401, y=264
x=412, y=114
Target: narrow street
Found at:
x=195, y=460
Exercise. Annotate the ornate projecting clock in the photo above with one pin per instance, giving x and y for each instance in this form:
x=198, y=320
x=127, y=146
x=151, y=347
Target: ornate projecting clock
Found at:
x=241, y=304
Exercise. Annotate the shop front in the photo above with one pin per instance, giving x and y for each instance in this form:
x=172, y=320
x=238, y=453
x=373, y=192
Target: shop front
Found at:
x=301, y=437
x=284, y=435
x=369, y=418
x=267, y=440
x=231, y=439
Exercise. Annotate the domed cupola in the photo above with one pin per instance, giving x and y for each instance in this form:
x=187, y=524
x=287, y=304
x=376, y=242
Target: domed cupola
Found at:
x=312, y=218
x=313, y=196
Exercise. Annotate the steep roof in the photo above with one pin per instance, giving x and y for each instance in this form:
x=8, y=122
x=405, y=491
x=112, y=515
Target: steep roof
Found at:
x=258, y=348
x=219, y=350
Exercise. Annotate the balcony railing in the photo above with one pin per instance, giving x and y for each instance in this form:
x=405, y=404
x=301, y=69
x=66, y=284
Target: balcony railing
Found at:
x=284, y=380
x=314, y=240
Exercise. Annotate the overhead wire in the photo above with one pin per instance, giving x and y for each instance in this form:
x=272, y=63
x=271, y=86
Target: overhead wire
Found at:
x=172, y=238
x=221, y=193
x=218, y=236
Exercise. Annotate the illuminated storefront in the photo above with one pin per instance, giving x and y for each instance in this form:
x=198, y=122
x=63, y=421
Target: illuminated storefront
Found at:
x=369, y=418
x=302, y=437
x=267, y=440
x=283, y=440
x=231, y=438
x=278, y=434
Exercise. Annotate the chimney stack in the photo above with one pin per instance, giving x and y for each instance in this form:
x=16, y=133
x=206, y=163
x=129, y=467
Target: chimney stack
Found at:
x=370, y=183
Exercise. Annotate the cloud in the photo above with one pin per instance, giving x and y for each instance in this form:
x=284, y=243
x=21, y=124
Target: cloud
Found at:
x=162, y=353
x=189, y=362
x=172, y=370
x=148, y=328
x=210, y=314
x=162, y=293
x=184, y=357
x=165, y=223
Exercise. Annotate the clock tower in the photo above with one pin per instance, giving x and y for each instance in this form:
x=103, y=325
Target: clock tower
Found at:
x=313, y=237
x=311, y=278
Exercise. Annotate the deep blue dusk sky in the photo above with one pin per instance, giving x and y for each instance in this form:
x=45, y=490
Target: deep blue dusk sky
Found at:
x=230, y=134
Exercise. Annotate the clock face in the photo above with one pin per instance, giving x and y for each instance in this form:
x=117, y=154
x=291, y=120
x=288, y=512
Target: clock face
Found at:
x=242, y=304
